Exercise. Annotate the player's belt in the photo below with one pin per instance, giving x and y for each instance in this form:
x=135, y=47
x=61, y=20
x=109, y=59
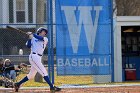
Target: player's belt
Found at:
x=36, y=53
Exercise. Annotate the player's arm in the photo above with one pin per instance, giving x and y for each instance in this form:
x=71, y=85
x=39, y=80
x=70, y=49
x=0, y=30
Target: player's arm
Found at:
x=38, y=37
x=28, y=43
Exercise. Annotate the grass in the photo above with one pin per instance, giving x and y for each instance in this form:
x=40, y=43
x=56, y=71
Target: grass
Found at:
x=59, y=80
x=30, y=83
x=74, y=80
x=81, y=80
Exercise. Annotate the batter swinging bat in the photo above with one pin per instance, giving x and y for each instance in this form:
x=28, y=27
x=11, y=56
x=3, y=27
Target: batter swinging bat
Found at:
x=15, y=29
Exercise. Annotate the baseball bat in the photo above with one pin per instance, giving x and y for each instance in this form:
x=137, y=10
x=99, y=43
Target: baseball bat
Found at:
x=16, y=29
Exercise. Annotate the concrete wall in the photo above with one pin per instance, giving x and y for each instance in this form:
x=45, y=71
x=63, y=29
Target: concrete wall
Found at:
x=102, y=78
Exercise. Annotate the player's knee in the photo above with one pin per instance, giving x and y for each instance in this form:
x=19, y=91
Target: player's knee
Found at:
x=30, y=76
x=45, y=74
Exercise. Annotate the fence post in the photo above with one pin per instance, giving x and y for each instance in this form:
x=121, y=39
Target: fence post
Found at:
x=52, y=50
x=112, y=42
x=49, y=35
x=50, y=38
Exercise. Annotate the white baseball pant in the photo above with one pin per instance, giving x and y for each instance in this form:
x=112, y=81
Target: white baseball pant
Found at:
x=36, y=66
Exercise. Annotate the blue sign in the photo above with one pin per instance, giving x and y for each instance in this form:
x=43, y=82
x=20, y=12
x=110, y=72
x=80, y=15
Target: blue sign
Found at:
x=83, y=37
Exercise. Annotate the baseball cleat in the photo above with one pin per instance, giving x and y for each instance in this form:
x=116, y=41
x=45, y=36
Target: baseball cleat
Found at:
x=55, y=89
x=16, y=87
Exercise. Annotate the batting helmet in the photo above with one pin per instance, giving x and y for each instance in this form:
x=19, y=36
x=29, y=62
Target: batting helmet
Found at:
x=39, y=30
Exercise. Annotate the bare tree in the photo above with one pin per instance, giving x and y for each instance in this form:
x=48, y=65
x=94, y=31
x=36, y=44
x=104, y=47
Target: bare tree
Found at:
x=128, y=7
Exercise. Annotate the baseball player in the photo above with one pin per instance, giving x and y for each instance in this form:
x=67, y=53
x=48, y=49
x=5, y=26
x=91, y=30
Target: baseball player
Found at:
x=37, y=42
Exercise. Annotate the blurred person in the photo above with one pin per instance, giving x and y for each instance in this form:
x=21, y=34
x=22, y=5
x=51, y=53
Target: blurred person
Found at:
x=1, y=65
x=21, y=66
x=9, y=69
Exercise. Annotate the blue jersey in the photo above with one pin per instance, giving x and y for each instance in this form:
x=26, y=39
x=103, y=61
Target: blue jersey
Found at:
x=37, y=44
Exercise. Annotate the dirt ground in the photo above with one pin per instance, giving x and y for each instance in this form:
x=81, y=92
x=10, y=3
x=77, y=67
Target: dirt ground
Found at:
x=123, y=89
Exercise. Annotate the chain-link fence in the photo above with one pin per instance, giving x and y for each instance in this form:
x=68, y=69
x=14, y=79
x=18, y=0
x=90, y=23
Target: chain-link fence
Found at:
x=29, y=15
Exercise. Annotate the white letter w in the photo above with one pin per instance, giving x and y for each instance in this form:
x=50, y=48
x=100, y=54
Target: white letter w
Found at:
x=85, y=19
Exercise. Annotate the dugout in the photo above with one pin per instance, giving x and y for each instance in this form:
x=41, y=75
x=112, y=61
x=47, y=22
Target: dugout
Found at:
x=127, y=48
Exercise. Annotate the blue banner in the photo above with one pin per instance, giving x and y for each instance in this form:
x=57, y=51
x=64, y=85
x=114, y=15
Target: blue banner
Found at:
x=83, y=37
